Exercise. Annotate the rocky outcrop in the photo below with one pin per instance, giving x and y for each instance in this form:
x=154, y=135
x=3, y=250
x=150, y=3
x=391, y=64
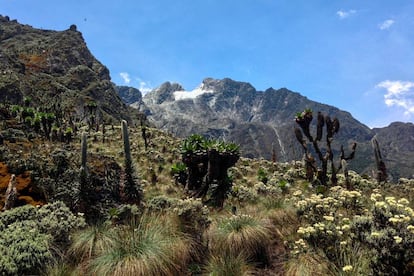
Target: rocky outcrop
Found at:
x=128, y=94
x=397, y=146
x=55, y=69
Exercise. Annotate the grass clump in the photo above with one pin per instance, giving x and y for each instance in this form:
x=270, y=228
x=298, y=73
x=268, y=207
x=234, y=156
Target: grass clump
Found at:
x=141, y=247
x=228, y=265
x=241, y=234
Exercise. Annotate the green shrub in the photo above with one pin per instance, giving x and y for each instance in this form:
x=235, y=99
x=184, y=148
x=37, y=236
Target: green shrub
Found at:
x=29, y=236
x=262, y=175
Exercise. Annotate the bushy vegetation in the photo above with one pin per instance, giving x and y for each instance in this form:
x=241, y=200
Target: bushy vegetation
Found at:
x=32, y=237
x=270, y=219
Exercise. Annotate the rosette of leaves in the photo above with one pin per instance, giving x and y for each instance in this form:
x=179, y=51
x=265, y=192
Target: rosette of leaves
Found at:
x=207, y=161
x=179, y=172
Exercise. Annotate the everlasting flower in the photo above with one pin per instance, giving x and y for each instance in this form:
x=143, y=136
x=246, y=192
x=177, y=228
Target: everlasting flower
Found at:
x=381, y=204
x=394, y=220
x=375, y=197
x=403, y=201
x=354, y=194
x=297, y=193
x=347, y=268
x=329, y=218
x=343, y=243
x=397, y=239
x=375, y=234
x=409, y=210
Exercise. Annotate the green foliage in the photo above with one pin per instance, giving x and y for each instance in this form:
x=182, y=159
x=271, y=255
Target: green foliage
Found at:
x=24, y=249
x=178, y=168
x=68, y=131
x=29, y=236
x=27, y=100
x=283, y=185
x=197, y=143
x=193, y=144
x=208, y=161
x=262, y=175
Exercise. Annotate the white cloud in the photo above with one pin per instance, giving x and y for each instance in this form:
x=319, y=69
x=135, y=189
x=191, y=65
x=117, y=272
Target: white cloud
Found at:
x=386, y=24
x=344, y=14
x=144, y=86
x=125, y=76
x=400, y=94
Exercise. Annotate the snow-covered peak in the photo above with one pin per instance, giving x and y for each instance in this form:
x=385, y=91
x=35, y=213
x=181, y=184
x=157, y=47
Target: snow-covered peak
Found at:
x=181, y=95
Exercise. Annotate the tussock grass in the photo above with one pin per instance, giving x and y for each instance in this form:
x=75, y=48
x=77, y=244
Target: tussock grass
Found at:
x=240, y=234
x=309, y=264
x=91, y=241
x=61, y=269
x=285, y=221
x=145, y=247
x=228, y=265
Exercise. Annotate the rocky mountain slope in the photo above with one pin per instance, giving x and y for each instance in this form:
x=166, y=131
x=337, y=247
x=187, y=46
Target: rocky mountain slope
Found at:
x=397, y=145
x=261, y=121
x=56, y=70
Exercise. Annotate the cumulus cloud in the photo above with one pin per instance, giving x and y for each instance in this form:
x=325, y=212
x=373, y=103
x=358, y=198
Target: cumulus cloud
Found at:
x=386, y=24
x=399, y=93
x=144, y=86
x=125, y=77
x=345, y=14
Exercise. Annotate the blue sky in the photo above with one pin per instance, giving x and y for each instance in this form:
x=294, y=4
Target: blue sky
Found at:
x=356, y=55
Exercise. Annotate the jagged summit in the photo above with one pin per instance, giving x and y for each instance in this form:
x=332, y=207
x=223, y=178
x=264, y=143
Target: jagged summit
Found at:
x=262, y=121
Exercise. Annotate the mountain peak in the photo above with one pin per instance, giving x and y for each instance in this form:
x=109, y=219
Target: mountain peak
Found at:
x=163, y=93
x=226, y=85
x=54, y=69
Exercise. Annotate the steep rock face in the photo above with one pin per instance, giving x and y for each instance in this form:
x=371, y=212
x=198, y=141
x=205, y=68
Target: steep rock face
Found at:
x=397, y=147
x=128, y=94
x=258, y=121
x=54, y=68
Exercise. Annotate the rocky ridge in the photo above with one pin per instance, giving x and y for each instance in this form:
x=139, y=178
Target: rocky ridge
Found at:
x=261, y=121
x=56, y=70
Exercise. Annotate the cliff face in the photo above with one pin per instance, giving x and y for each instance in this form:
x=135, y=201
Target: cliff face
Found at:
x=397, y=146
x=56, y=70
